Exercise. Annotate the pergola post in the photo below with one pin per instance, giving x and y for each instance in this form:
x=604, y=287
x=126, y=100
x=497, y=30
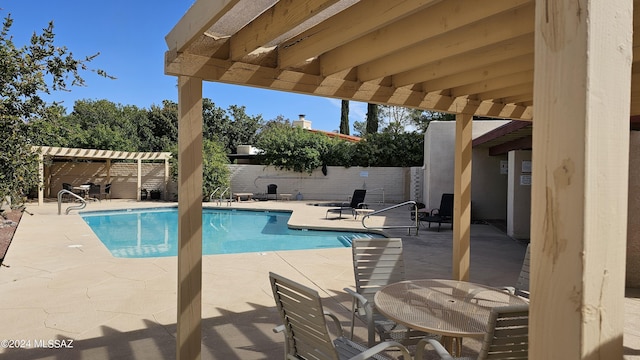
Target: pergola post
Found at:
x=583, y=54
x=165, y=191
x=139, y=180
x=462, y=197
x=40, y=178
x=189, y=334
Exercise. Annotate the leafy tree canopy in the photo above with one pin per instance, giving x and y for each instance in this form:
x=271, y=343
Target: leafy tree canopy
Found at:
x=25, y=73
x=293, y=148
x=215, y=173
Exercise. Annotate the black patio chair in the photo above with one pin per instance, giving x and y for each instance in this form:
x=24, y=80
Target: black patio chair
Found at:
x=443, y=214
x=272, y=189
x=357, y=202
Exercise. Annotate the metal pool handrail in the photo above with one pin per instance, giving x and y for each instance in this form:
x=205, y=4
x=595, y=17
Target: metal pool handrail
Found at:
x=409, y=227
x=213, y=193
x=222, y=194
x=75, y=207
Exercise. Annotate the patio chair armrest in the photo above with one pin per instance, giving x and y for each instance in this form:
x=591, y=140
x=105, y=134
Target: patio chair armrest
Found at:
x=382, y=347
x=362, y=205
x=339, y=331
x=510, y=289
x=361, y=299
x=442, y=352
x=278, y=329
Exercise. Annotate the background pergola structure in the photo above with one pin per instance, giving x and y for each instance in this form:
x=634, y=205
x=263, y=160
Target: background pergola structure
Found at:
x=566, y=65
x=93, y=154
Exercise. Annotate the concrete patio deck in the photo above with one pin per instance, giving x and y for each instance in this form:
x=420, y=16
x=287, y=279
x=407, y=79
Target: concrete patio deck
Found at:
x=62, y=284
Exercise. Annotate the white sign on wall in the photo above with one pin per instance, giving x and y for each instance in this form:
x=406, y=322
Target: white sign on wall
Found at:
x=504, y=167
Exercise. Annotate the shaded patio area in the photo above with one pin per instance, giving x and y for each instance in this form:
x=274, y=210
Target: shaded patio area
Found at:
x=63, y=284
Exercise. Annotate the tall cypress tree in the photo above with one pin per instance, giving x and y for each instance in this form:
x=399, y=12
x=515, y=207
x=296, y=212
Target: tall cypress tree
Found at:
x=372, y=118
x=344, y=118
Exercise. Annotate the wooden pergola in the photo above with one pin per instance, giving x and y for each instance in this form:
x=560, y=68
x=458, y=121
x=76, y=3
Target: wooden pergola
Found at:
x=96, y=154
x=566, y=65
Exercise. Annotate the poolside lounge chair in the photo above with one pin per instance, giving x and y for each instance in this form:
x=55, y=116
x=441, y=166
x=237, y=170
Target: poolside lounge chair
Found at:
x=443, y=214
x=376, y=263
x=507, y=336
x=357, y=202
x=272, y=189
x=305, y=326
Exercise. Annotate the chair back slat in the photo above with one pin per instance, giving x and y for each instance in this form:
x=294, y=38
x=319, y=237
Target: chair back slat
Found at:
x=377, y=263
x=507, y=334
x=301, y=310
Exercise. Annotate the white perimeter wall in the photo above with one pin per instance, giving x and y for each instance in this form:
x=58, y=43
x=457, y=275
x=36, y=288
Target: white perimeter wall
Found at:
x=394, y=184
x=338, y=184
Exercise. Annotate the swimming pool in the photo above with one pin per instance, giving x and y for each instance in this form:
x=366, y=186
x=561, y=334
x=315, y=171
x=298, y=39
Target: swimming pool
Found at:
x=154, y=232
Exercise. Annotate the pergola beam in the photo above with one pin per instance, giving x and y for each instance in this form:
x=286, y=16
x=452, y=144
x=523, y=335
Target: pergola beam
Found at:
x=279, y=19
x=477, y=59
x=361, y=18
x=502, y=68
x=497, y=28
x=434, y=21
x=200, y=17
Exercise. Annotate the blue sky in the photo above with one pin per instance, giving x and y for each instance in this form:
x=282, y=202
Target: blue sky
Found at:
x=129, y=35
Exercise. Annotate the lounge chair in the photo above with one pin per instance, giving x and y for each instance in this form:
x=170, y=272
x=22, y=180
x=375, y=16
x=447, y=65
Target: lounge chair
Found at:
x=357, y=202
x=443, y=214
x=376, y=263
x=305, y=326
x=272, y=189
x=507, y=336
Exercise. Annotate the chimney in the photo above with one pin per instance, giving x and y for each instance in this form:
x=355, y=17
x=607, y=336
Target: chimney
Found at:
x=302, y=122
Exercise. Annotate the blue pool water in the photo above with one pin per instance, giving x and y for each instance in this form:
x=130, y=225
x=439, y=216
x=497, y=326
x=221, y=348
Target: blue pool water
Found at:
x=154, y=232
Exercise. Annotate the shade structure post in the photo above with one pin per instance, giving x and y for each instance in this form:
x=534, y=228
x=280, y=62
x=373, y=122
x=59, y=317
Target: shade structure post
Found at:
x=583, y=53
x=189, y=324
x=462, y=197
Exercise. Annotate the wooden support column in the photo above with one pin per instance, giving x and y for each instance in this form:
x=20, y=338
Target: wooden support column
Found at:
x=40, y=179
x=139, y=180
x=165, y=192
x=108, y=166
x=583, y=53
x=189, y=334
x=462, y=197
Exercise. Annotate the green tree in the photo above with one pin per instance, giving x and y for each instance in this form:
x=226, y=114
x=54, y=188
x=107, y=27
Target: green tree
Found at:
x=422, y=119
x=106, y=125
x=25, y=73
x=390, y=149
x=232, y=127
x=344, y=117
x=215, y=172
x=293, y=148
x=163, y=123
